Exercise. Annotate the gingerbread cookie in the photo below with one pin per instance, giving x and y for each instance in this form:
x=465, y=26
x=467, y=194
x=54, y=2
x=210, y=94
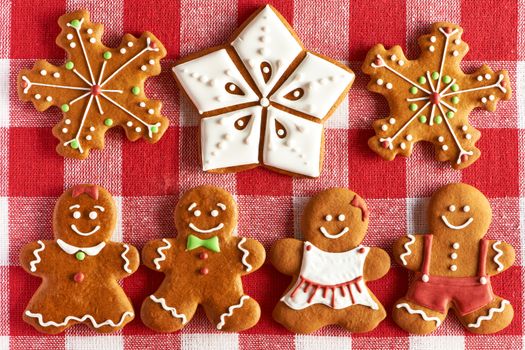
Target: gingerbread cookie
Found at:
x=430, y=98
x=97, y=88
x=203, y=266
x=331, y=267
x=453, y=266
x=263, y=98
x=81, y=267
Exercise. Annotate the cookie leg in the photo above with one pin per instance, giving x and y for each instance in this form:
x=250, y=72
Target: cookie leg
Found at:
x=359, y=318
x=167, y=313
x=302, y=321
x=414, y=318
x=233, y=313
x=490, y=319
x=48, y=322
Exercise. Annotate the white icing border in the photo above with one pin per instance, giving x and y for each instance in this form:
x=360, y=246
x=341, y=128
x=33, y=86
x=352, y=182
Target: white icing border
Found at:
x=126, y=260
x=498, y=255
x=162, y=256
x=33, y=263
x=230, y=311
x=454, y=227
x=422, y=313
x=489, y=316
x=246, y=253
x=170, y=309
x=407, y=249
x=79, y=319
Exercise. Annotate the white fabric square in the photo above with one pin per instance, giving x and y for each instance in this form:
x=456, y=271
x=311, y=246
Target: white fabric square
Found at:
x=113, y=342
x=416, y=211
x=4, y=92
x=292, y=143
x=210, y=341
x=520, y=93
x=117, y=234
x=4, y=231
x=311, y=342
x=231, y=139
x=441, y=342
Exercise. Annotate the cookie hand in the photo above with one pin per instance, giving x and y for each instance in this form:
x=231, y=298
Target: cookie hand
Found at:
x=408, y=251
x=31, y=257
x=286, y=256
x=157, y=254
x=377, y=264
x=253, y=254
x=500, y=257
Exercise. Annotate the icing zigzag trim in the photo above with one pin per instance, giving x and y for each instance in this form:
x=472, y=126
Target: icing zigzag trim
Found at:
x=230, y=311
x=245, y=255
x=162, y=257
x=499, y=255
x=407, y=249
x=489, y=316
x=422, y=313
x=33, y=263
x=79, y=319
x=170, y=309
x=126, y=260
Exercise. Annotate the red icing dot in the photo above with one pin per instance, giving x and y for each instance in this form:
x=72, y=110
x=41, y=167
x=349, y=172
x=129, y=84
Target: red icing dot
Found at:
x=153, y=45
x=435, y=98
x=361, y=250
x=23, y=84
x=377, y=62
x=79, y=277
x=204, y=271
x=384, y=144
x=203, y=256
x=447, y=30
x=96, y=90
x=464, y=158
x=308, y=247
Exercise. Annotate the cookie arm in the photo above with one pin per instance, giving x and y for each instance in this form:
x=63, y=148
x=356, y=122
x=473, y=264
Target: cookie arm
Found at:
x=253, y=254
x=377, y=264
x=129, y=259
x=32, y=257
x=500, y=256
x=408, y=251
x=157, y=254
x=286, y=256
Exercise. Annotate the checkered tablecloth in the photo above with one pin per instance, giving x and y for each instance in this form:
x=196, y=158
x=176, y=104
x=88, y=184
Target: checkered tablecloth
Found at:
x=147, y=180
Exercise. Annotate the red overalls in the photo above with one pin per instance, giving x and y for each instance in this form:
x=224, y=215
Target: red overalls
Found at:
x=467, y=294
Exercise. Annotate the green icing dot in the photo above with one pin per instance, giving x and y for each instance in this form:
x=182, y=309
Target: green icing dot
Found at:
x=450, y=114
x=108, y=122
x=454, y=87
x=438, y=119
x=412, y=106
x=64, y=108
x=413, y=90
x=435, y=75
x=107, y=55
x=422, y=80
x=455, y=100
x=422, y=119
x=69, y=65
x=80, y=256
x=74, y=144
x=155, y=129
x=75, y=23
x=447, y=79
x=135, y=90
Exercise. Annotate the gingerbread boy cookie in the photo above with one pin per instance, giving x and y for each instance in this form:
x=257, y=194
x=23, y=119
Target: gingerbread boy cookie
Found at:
x=81, y=267
x=203, y=266
x=453, y=265
x=97, y=88
x=331, y=267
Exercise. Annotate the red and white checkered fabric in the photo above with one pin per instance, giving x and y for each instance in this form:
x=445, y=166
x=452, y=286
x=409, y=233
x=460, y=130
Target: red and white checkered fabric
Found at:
x=147, y=179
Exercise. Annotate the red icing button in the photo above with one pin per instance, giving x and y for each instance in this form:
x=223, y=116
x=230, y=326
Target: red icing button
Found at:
x=308, y=247
x=23, y=84
x=79, y=277
x=435, y=98
x=385, y=144
x=377, y=62
x=203, y=256
x=361, y=250
x=464, y=158
x=447, y=30
x=153, y=44
x=204, y=271
x=96, y=90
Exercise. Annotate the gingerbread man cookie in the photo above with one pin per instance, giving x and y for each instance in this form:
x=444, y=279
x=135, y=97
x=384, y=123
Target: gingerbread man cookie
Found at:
x=331, y=267
x=430, y=98
x=81, y=268
x=453, y=266
x=98, y=88
x=203, y=266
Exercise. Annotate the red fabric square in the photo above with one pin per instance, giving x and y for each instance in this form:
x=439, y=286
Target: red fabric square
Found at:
x=151, y=169
x=35, y=169
x=495, y=173
x=246, y=7
x=263, y=182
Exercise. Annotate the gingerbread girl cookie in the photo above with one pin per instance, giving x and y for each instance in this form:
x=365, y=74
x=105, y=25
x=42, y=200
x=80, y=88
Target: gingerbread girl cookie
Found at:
x=453, y=266
x=203, y=266
x=331, y=267
x=81, y=268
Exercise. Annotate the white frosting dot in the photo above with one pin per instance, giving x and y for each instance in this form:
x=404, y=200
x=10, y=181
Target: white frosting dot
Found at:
x=72, y=45
x=49, y=98
x=266, y=69
x=38, y=96
x=240, y=123
x=392, y=121
x=43, y=72
x=492, y=98
x=480, y=78
x=89, y=137
x=466, y=208
x=431, y=48
x=483, y=280
x=64, y=130
x=488, y=76
x=129, y=124
x=151, y=111
x=264, y=102
x=328, y=217
x=389, y=86
x=464, y=128
x=296, y=93
x=403, y=145
x=401, y=62
x=92, y=40
x=484, y=100
x=143, y=68
x=379, y=82
x=130, y=44
x=452, y=208
x=89, y=31
x=91, y=128
x=69, y=36
x=425, y=278
x=138, y=129
x=341, y=217
x=454, y=256
x=151, y=61
x=455, y=245
x=441, y=139
x=457, y=41
x=123, y=50
x=468, y=136
x=409, y=137
x=280, y=132
x=444, y=147
x=455, y=53
x=384, y=127
x=453, y=267
x=393, y=57
x=56, y=75
x=142, y=104
x=67, y=121
x=433, y=39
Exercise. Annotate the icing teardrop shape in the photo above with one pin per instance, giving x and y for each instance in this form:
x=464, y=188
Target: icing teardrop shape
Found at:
x=233, y=89
x=266, y=71
x=280, y=130
x=295, y=94
x=242, y=123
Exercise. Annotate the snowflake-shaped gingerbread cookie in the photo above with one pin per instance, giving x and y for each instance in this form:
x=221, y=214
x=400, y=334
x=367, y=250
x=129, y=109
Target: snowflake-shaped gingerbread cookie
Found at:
x=263, y=98
x=98, y=87
x=430, y=98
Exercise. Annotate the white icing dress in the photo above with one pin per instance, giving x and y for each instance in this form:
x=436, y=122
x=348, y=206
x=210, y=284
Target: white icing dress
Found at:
x=332, y=279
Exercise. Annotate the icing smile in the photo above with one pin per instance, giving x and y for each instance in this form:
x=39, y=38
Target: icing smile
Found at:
x=328, y=235
x=85, y=234
x=449, y=225
x=213, y=229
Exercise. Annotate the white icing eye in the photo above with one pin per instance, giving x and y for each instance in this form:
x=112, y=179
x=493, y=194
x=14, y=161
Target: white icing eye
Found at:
x=341, y=217
x=197, y=213
x=466, y=208
x=77, y=215
x=452, y=208
x=328, y=217
x=93, y=215
x=214, y=213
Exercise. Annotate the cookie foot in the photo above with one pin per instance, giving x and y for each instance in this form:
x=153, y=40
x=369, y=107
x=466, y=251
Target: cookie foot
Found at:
x=242, y=314
x=165, y=316
x=416, y=319
x=492, y=318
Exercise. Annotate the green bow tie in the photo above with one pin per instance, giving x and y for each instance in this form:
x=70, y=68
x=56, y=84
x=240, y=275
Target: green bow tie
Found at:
x=210, y=243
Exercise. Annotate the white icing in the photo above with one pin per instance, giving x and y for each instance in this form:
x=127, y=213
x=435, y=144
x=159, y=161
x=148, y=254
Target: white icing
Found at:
x=498, y=255
x=278, y=48
x=85, y=234
x=84, y=318
x=245, y=254
x=330, y=269
x=422, y=313
x=37, y=260
x=333, y=236
x=218, y=70
x=170, y=309
x=407, y=252
x=222, y=206
x=210, y=230
x=160, y=251
x=455, y=245
x=126, y=260
x=322, y=82
x=242, y=146
x=71, y=249
x=300, y=151
x=230, y=311
x=490, y=314
x=454, y=227
x=192, y=206
x=98, y=206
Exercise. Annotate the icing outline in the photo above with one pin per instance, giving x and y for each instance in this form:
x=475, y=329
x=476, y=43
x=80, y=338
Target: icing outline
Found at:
x=94, y=323
x=422, y=313
x=171, y=310
x=126, y=260
x=454, y=227
x=407, y=252
x=334, y=236
x=246, y=253
x=490, y=314
x=37, y=260
x=85, y=234
x=210, y=230
x=498, y=255
x=230, y=311
x=162, y=256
